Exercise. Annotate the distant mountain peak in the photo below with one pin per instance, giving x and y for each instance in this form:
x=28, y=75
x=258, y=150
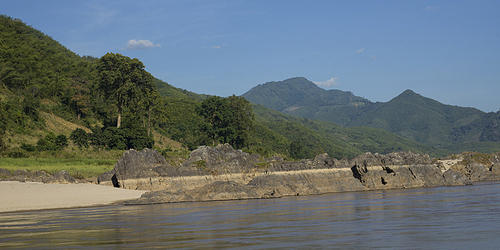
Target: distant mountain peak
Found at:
x=408, y=91
x=297, y=92
x=407, y=95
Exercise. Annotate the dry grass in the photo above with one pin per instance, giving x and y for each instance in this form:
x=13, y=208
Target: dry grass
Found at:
x=60, y=126
x=165, y=142
x=52, y=124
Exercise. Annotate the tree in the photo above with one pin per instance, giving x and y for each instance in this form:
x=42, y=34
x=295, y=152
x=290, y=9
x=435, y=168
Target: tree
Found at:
x=79, y=137
x=242, y=121
x=79, y=95
x=3, y=127
x=150, y=108
x=228, y=120
x=296, y=149
x=217, y=116
x=122, y=80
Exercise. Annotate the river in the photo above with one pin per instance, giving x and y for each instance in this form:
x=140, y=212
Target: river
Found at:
x=462, y=217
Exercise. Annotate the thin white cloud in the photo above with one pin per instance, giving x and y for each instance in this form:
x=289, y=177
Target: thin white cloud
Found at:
x=100, y=16
x=328, y=83
x=373, y=57
x=359, y=51
x=140, y=44
x=431, y=8
x=218, y=46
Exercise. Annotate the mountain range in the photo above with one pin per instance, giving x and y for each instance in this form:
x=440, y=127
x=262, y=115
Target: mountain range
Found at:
x=409, y=115
x=40, y=76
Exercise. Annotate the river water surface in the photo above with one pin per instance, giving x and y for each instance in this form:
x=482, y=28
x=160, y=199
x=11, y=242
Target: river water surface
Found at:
x=463, y=217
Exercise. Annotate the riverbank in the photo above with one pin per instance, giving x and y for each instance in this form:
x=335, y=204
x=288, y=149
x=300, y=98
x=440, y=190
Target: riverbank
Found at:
x=223, y=173
x=27, y=196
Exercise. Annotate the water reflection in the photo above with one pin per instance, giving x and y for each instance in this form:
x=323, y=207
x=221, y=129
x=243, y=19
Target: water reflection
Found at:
x=448, y=218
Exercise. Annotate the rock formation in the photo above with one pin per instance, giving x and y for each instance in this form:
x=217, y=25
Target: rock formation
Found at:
x=222, y=173
x=36, y=176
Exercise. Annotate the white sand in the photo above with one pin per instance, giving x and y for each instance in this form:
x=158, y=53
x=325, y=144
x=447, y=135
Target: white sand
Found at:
x=20, y=196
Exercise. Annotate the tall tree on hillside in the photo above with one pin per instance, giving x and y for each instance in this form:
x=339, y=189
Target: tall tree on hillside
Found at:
x=217, y=116
x=79, y=95
x=149, y=108
x=228, y=120
x=122, y=80
x=242, y=120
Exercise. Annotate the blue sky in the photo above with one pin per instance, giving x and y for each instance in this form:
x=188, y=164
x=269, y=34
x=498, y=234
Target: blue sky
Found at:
x=444, y=50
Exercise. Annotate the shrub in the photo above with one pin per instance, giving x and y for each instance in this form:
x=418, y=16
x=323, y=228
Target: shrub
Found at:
x=51, y=142
x=80, y=138
x=121, y=138
x=17, y=153
x=61, y=141
x=28, y=147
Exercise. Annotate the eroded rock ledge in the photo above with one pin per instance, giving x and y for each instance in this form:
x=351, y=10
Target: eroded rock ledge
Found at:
x=24, y=175
x=222, y=173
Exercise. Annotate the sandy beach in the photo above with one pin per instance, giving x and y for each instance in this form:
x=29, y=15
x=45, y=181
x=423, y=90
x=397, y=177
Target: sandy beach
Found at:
x=24, y=196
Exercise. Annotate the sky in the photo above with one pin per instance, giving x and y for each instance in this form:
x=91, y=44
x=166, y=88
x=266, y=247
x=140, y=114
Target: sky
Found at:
x=444, y=50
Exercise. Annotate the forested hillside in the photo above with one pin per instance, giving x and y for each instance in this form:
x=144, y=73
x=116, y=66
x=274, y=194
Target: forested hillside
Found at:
x=113, y=103
x=409, y=115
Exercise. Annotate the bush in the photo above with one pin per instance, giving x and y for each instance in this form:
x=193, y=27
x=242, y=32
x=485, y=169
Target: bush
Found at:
x=80, y=138
x=121, y=138
x=51, y=142
x=61, y=141
x=28, y=147
x=17, y=153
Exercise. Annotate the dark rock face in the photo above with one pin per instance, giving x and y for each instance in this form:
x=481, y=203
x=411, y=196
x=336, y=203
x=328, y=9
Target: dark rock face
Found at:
x=147, y=169
x=396, y=170
x=222, y=173
x=133, y=165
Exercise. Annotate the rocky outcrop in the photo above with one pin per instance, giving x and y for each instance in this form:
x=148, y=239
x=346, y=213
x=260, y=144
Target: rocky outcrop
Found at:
x=133, y=165
x=36, y=176
x=402, y=170
x=4, y=173
x=222, y=173
x=61, y=177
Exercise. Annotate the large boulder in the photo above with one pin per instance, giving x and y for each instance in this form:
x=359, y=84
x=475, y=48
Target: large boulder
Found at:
x=399, y=170
x=476, y=171
x=222, y=159
x=133, y=165
x=452, y=178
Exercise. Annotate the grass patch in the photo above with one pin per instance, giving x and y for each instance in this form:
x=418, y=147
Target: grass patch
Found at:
x=201, y=164
x=262, y=164
x=174, y=157
x=80, y=168
x=482, y=158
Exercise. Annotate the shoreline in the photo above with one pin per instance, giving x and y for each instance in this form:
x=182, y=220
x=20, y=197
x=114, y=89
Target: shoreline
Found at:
x=36, y=196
